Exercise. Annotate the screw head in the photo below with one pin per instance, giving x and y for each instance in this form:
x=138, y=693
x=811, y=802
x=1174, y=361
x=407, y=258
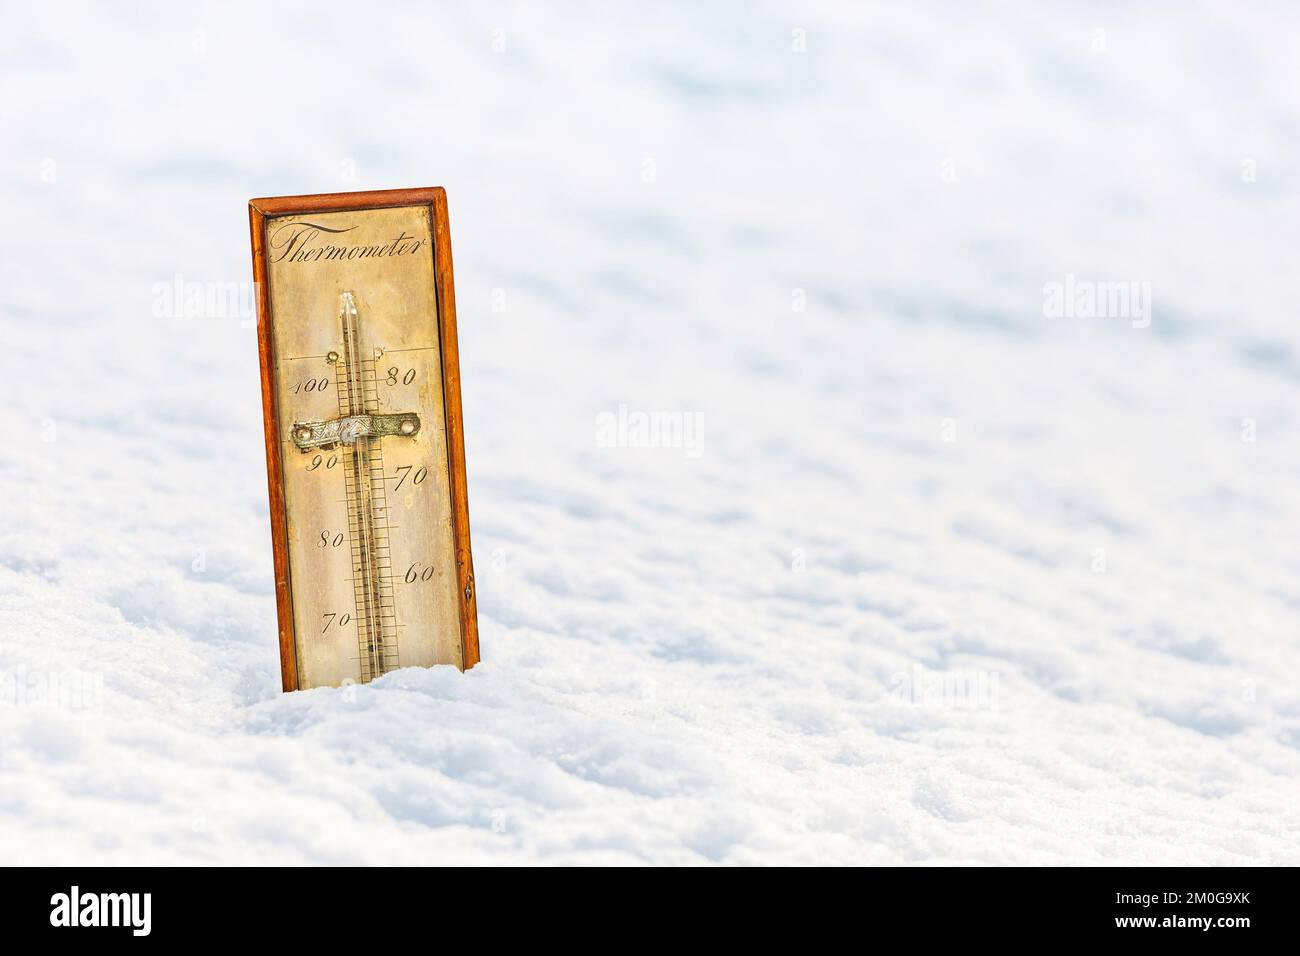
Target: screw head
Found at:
x=332, y=357
x=407, y=427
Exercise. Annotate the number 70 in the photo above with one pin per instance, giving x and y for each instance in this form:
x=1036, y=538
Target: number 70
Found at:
x=405, y=471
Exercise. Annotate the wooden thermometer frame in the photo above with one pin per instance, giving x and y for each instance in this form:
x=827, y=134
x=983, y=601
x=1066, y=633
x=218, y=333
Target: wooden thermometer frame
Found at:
x=260, y=212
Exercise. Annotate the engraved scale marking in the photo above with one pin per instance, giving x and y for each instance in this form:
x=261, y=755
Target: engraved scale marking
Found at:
x=359, y=427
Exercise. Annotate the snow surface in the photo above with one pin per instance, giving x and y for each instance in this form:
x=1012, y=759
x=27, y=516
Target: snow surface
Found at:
x=943, y=580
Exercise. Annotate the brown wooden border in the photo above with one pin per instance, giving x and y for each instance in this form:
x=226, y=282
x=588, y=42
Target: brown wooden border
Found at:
x=260, y=210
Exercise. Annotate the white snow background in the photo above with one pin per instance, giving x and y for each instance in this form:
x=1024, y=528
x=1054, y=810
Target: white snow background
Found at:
x=949, y=580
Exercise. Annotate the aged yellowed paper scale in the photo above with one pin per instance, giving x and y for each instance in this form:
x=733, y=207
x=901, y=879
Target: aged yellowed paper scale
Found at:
x=364, y=445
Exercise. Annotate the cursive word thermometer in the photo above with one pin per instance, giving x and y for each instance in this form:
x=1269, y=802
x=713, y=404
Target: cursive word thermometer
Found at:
x=365, y=452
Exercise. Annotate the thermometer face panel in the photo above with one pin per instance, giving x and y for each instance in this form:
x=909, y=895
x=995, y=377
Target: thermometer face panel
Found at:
x=357, y=369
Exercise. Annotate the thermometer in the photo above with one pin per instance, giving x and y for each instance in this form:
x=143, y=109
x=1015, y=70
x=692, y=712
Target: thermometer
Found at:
x=365, y=451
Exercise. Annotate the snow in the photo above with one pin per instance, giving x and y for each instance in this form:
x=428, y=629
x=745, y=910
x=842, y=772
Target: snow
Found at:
x=943, y=580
